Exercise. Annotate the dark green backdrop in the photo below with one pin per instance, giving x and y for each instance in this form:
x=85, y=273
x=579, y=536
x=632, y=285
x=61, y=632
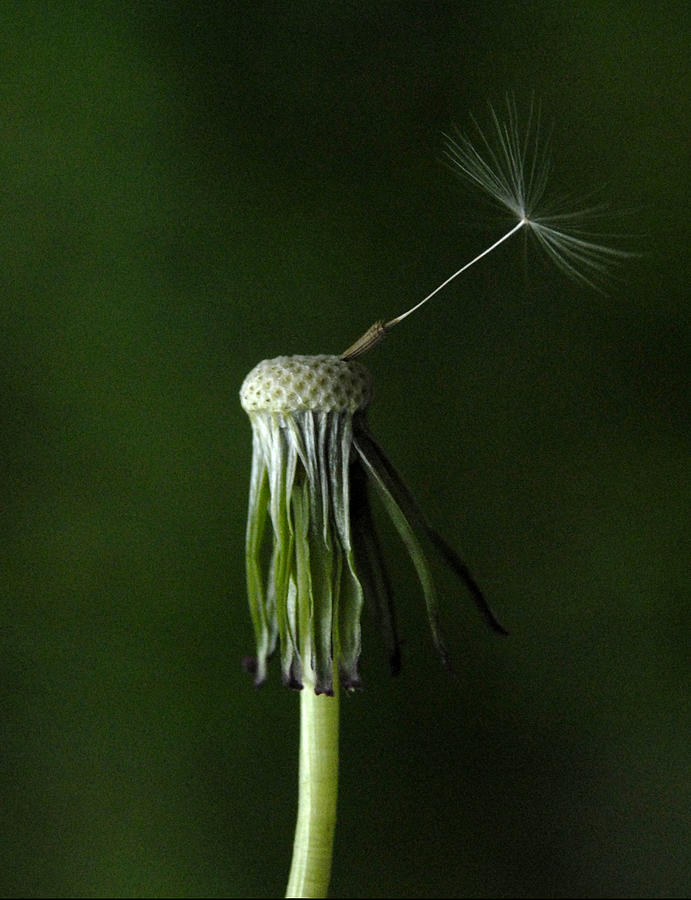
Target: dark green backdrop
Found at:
x=188, y=188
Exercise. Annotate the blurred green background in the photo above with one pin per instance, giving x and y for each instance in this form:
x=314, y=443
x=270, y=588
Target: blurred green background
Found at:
x=188, y=188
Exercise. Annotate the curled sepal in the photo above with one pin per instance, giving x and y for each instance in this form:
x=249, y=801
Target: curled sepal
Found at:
x=371, y=568
x=264, y=627
x=408, y=519
x=391, y=496
x=310, y=598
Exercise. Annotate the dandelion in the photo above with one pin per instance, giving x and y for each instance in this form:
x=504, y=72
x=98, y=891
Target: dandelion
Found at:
x=313, y=557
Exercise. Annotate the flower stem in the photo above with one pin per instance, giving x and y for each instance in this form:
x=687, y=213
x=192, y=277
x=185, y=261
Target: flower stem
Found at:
x=318, y=790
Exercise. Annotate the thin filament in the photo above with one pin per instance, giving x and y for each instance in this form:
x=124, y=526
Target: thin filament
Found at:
x=523, y=221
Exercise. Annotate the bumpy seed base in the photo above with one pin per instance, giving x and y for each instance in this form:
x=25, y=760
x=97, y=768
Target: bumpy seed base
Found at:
x=289, y=383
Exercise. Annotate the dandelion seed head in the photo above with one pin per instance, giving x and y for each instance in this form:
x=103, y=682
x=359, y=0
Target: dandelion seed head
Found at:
x=319, y=383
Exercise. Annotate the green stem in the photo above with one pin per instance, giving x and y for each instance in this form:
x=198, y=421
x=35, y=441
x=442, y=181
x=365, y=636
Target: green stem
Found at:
x=314, y=832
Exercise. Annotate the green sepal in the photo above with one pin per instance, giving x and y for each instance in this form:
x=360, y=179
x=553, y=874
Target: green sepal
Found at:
x=370, y=564
x=256, y=525
x=403, y=514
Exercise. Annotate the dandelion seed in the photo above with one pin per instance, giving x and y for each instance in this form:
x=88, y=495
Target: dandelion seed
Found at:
x=511, y=166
